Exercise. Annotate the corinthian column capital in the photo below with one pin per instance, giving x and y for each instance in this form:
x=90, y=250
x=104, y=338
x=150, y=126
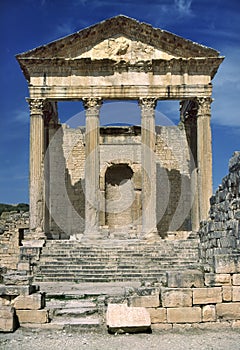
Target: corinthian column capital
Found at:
x=92, y=105
x=204, y=106
x=147, y=104
x=36, y=105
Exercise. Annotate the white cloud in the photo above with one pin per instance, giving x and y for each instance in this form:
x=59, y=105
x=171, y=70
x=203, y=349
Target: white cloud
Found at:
x=21, y=116
x=183, y=6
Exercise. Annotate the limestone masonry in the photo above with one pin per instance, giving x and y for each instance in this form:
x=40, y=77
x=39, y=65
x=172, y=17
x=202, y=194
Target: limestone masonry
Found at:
x=130, y=206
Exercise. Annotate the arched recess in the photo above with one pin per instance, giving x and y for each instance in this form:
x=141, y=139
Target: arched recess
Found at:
x=122, y=194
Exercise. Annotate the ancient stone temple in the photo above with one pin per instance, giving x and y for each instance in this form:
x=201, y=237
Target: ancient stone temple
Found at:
x=125, y=182
x=124, y=207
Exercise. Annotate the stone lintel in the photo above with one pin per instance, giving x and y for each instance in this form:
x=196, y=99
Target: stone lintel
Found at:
x=132, y=92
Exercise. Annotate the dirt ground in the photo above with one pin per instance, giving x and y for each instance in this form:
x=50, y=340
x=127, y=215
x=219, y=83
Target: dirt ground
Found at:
x=175, y=340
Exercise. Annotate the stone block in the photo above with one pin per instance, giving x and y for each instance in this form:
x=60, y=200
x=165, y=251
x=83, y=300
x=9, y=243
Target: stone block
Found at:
x=23, y=266
x=236, y=324
x=217, y=279
x=176, y=297
x=157, y=315
x=209, y=313
x=227, y=293
x=122, y=318
x=236, y=279
x=8, y=320
x=32, y=316
x=34, y=301
x=161, y=327
x=236, y=293
x=16, y=290
x=5, y=300
x=185, y=279
x=184, y=314
x=228, y=311
x=227, y=264
x=17, y=280
x=209, y=295
x=145, y=301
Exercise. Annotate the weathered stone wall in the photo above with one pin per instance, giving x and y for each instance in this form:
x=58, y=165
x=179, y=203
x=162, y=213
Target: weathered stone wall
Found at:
x=66, y=182
x=12, y=226
x=174, y=196
x=191, y=299
x=119, y=145
x=220, y=235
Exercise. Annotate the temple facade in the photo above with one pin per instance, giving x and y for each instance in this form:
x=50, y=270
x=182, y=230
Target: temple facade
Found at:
x=97, y=182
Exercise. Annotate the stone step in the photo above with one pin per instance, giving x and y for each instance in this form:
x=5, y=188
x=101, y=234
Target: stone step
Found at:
x=119, y=257
x=77, y=322
x=78, y=262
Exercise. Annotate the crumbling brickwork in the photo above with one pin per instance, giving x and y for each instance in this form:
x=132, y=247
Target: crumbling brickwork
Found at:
x=220, y=235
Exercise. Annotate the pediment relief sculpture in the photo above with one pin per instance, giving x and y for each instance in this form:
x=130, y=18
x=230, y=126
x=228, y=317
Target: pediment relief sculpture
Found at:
x=122, y=48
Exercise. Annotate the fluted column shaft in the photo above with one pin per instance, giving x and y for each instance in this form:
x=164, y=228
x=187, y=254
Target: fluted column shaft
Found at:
x=148, y=139
x=204, y=155
x=92, y=166
x=36, y=166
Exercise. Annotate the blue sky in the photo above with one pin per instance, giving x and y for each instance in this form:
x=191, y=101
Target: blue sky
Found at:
x=27, y=24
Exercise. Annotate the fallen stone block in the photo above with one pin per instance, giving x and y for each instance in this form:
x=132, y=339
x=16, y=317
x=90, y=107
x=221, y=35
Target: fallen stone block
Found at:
x=34, y=301
x=209, y=295
x=32, y=316
x=228, y=311
x=185, y=279
x=8, y=319
x=122, y=318
x=184, y=315
x=145, y=301
x=176, y=297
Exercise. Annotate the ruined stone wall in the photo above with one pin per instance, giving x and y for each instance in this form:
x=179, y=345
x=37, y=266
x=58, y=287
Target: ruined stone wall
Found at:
x=12, y=226
x=220, y=234
x=190, y=299
x=173, y=180
x=119, y=146
x=66, y=182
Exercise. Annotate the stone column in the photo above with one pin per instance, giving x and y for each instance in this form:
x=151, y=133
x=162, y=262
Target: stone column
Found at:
x=92, y=168
x=148, y=138
x=36, y=168
x=204, y=155
x=188, y=116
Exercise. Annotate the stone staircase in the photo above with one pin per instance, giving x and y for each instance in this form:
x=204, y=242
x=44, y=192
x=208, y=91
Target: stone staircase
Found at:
x=114, y=261
x=81, y=306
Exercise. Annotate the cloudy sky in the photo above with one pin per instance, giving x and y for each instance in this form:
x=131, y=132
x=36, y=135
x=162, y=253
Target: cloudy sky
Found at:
x=27, y=24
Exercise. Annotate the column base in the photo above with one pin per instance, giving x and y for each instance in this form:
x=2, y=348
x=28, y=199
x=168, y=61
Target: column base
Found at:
x=151, y=236
x=91, y=236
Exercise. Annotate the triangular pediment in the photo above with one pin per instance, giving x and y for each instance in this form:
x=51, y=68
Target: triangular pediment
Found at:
x=120, y=47
x=121, y=38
